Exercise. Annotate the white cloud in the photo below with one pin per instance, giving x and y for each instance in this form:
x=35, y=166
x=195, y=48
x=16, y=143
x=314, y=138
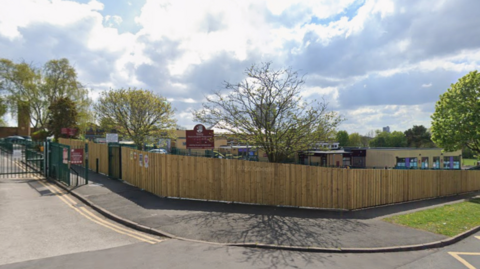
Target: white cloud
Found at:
x=427, y=85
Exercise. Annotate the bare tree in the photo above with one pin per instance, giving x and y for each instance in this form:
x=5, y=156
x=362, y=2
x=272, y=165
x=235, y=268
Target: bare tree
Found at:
x=266, y=109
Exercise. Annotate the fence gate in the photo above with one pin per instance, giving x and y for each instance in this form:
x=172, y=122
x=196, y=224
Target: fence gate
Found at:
x=58, y=166
x=21, y=159
x=114, y=161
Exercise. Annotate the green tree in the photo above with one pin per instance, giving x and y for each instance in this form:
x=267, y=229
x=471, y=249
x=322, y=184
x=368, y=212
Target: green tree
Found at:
x=266, y=109
x=418, y=137
x=355, y=140
x=456, y=121
x=380, y=140
x=342, y=138
x=396, y=139
x=62, y=114
x=38, y=87
x=135, y=113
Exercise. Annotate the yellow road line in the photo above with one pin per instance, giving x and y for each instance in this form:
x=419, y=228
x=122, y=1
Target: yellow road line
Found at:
x=456, y=255
x=98, y=220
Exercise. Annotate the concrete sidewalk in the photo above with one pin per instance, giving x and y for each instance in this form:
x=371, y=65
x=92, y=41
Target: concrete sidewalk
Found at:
x=237, y=223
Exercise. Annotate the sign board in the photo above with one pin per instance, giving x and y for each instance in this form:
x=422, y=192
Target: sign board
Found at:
x=72, y=131
x=65, y=155
x=199, y=138
x=17, y=154
x=112, y=138
x=76, y=156
x=69, y=131
x=145, y=161
x=140, y=159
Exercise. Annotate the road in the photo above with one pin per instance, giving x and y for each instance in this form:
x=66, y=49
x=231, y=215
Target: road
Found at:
x=38, y=221
x=41, y=227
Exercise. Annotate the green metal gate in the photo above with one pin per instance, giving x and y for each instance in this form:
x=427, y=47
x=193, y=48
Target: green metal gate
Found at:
x=21, y=158
x=58, y=166
x=114, y=161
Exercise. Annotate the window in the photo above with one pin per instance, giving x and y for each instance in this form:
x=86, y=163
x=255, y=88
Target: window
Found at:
x=436, y=163
x=346, y=161
x=451, y=162
x=424, y=162
x=408, y=163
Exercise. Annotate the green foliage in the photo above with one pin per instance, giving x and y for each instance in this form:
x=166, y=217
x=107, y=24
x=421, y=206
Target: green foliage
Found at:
x=419, y=137
x=40, y=135
x=355, y=140
x=385, y=139
x=62, y=114
x=456, y=121
x=342, y=138
x=266, y=110
x=135, y=113
x=38, y=87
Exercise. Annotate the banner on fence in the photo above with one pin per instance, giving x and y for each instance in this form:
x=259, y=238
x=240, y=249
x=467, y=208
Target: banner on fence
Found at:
x=17, y=154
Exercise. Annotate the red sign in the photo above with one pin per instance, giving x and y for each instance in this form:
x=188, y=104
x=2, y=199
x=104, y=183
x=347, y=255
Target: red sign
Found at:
x=76, y=156
x=200, y=138
x=72, y=131
x=69, y=131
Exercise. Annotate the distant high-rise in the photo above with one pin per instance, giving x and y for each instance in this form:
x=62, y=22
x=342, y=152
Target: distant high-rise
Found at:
x=386, y=129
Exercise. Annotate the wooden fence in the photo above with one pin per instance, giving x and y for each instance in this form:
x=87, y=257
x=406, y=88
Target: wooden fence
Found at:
x=95, y=152
x=285, y=184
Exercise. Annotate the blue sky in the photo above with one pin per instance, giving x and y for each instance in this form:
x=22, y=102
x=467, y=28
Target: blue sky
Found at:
x=378, y=63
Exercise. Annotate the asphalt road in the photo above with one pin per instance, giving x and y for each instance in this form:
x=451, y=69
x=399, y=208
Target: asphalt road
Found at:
x=181, y=254
x=37, y=222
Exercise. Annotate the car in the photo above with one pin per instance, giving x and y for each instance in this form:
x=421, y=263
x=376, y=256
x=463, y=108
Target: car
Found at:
x=160, y=151
x=14, y=139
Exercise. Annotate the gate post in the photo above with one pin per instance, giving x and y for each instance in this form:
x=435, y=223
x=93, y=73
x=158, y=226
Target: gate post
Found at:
x=86, y=163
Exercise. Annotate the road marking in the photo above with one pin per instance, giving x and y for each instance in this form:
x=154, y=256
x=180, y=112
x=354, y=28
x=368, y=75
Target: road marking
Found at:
x=456, y=255
x=62, y=195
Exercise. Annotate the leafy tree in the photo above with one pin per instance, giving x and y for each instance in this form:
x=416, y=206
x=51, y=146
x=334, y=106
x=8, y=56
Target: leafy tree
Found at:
x=38, y=87
x=355, y=140
x=135, y=113
x=380, y=140
x=342, y=138
x=62, y=114
x=456, y=121
x=396, y=139
x=266, y=109
x=418, y=137
x=385, y=139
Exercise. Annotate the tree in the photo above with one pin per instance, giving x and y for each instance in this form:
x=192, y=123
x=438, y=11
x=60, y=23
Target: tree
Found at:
x=455, y=122
x=355, y=140
x=62, y=114
x=418, y=137
x=342, y=138
x=266, y=110
x=395, y=139
x=135, y=113
x=39, y=87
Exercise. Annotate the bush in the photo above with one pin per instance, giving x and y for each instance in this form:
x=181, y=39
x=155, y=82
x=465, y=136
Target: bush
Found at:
x=40, y=135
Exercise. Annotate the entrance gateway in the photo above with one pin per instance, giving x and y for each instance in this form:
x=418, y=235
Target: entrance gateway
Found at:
x=21, y=158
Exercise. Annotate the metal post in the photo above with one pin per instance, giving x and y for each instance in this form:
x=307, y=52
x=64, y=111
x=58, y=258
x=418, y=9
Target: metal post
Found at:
x=86, y=163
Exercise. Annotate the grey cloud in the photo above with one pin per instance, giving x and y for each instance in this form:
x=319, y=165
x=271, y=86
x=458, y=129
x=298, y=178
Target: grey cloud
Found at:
x=399, y=89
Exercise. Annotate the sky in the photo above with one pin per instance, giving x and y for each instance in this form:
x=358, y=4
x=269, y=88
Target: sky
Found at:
x=377, y=63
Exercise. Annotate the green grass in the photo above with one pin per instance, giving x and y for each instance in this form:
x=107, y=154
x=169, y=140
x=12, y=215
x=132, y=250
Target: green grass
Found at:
x=470, y=162
x=448, y=220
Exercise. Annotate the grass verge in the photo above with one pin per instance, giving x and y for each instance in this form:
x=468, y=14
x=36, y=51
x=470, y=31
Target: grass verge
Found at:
x=469, y=162
x=449, y=220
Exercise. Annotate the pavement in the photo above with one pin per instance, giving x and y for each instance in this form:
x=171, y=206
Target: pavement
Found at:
x=262, y=226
